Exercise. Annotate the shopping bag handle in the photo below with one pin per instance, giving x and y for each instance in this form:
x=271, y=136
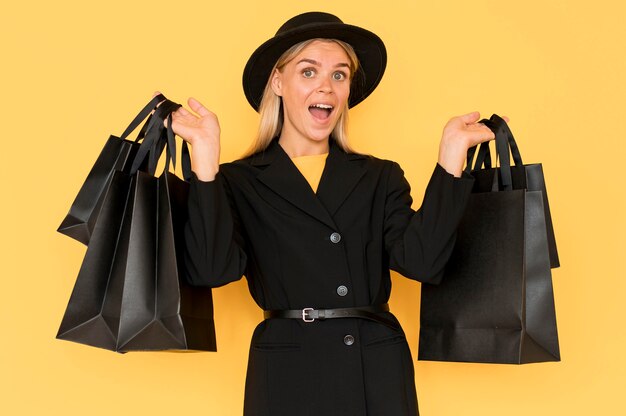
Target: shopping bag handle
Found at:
x=495, y=123
x=153, y=144
x=158, y=138
x=483, y=158
x=168, y=140
x=145, y=112
x=171, y=154
x=505, y=147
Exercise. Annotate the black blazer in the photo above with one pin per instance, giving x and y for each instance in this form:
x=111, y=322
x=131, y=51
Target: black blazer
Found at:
x=330, y=249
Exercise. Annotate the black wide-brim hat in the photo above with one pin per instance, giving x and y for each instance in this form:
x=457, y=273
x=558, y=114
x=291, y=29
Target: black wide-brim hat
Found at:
x=369, y=48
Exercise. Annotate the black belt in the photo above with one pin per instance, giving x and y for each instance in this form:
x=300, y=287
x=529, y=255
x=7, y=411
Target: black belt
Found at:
x=371, y=313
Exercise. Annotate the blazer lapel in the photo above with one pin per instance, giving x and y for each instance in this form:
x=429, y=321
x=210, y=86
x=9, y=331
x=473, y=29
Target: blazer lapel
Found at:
x=340, y=176
x=284, y=178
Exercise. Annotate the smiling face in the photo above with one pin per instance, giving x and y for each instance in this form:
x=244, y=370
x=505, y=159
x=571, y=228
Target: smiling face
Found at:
x=314, y=87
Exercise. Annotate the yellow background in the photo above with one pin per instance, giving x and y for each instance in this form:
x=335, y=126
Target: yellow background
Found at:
x=74, y=72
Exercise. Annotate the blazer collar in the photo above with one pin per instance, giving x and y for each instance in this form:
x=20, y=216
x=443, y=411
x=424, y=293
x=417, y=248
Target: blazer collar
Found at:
x=340, y=176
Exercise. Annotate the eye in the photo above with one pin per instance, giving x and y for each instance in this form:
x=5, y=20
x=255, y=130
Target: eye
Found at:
x=308, y=73
x=339, y=76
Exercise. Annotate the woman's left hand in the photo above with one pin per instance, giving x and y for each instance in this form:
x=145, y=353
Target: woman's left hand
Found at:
x=459, y=134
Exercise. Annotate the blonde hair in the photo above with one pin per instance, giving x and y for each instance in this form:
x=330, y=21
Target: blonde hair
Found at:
x=271, y=111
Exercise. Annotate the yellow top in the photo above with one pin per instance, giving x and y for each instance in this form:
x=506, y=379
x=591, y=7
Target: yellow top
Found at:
x=311, y=167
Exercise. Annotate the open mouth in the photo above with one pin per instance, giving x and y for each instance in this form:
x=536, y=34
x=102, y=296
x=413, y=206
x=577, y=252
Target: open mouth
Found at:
x=321, y=111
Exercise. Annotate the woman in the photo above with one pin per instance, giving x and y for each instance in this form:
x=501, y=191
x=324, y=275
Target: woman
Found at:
x=315, y=227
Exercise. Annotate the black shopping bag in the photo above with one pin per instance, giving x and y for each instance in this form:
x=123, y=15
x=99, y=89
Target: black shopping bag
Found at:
x=529, y=177
x=116, y=154
x=495, y=302
x=130, y=293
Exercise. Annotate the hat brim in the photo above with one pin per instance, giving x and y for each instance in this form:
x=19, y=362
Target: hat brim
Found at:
x=368, y=47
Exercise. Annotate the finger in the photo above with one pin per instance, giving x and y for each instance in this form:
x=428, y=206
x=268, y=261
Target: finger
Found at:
x=479, y=136
x=505, y=118
x=470, y=117
x=183, y=112
x=477, y=126
x=197, y=107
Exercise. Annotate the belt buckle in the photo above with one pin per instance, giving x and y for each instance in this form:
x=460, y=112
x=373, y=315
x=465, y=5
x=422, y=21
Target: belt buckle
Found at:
x=304, y=315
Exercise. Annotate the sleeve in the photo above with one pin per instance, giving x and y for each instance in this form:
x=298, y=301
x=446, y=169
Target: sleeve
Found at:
x=214, y=247
x=419, y=243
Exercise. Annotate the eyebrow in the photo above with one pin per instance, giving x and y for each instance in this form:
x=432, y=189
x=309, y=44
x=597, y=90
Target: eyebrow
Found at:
x=314, y=62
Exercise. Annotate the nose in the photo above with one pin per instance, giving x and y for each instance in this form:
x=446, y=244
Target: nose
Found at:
x=325, y=85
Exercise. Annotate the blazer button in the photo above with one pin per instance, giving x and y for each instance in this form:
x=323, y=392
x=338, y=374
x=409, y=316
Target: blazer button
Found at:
x=342, y=290
x=348, y=340
x=335, y=238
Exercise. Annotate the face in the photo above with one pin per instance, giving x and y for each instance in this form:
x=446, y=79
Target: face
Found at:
x=314, y=87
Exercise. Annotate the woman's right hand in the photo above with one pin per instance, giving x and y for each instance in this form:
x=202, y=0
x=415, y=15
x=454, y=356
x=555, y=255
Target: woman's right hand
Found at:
x=202, y=131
